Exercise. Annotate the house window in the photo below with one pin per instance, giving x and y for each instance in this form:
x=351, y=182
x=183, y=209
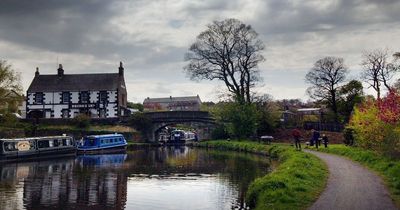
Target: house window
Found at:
x=39, y=98
x=84, y=97
x=65, y=97
x=102, y=113
x=64, y=113
x=103, y=97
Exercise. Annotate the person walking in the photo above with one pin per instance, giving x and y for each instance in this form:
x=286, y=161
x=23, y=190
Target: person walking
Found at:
x=312, y=138
x=315, y=138
x=325, y=140
x=296, y=135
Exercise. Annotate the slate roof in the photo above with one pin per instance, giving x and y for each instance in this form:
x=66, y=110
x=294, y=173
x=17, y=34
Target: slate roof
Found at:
x=75, y=82
x=171, y=99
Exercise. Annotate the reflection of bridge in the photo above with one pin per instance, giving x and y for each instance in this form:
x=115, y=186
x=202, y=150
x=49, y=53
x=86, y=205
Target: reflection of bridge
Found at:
x=162, y=119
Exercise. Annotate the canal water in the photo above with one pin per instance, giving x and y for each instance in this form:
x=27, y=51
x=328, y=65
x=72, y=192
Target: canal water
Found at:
x=159, y=178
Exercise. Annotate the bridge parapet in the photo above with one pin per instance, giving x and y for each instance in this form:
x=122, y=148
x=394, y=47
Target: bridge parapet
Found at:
x=180, y=115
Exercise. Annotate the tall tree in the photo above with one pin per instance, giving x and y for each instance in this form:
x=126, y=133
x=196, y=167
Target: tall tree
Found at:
x=325, y=78
x=229, y=51
x=377, y=70
x=350, y=95
x=9, y=83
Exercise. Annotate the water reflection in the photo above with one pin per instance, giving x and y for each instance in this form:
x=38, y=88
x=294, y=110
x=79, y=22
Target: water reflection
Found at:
x=161, y=178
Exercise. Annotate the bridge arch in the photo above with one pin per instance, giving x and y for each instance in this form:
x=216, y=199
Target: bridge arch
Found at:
x=160, y=120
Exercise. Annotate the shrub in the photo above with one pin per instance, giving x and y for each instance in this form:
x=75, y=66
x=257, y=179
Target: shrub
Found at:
x=376, y=124
x=82, y=121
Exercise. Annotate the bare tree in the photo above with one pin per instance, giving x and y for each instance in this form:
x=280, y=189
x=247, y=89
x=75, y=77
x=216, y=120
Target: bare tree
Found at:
x=325, y=77
x=229, y=51
x=377, y=70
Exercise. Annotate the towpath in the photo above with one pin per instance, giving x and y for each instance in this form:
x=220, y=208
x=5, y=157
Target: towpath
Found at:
x=351, y=186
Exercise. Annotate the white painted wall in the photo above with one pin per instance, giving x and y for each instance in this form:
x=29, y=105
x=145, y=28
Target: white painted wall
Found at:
x=30, y=98
x=75, y=97
x=93, y=96
x=110, y=110
x=57, y=110
x=112, y=96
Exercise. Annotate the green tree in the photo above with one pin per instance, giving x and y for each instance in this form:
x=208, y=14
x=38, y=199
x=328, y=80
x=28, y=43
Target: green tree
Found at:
x=268, y=114
x=239, y=120
x=351, y=94
x=138, y=106
x=229, y=51
x=10, y=86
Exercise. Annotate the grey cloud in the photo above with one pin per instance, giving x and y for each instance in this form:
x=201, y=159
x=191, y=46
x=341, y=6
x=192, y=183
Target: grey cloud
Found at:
x=62, y=26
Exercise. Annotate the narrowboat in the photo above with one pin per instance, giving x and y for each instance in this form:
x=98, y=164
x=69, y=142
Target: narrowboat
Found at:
x=30, y=148
x=102, y=144
x=181, y=136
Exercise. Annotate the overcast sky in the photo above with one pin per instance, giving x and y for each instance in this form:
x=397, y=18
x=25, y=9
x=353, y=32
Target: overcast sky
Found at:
x=151, y=37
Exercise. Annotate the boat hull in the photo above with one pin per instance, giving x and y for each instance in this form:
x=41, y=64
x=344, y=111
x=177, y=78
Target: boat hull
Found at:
x=102, y=150
x=37, y=155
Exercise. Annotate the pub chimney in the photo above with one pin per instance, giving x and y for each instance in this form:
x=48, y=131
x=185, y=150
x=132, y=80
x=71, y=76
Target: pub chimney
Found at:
x=37, y=72
x=60, y=70
x=121, y=69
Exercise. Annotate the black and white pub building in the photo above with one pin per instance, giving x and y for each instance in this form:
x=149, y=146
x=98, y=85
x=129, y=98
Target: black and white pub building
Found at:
x=68, y=95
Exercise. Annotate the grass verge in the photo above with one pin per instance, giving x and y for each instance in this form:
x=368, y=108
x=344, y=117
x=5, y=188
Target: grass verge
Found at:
x=388, y=169
x=295, y=184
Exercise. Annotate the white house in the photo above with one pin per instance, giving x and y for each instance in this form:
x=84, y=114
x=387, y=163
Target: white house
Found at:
x=67, y=95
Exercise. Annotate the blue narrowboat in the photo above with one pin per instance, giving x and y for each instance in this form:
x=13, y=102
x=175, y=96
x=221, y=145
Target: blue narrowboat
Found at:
x=102, y=143
x=36, y=147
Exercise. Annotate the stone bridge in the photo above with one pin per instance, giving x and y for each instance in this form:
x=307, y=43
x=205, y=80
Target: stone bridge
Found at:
x=162, y=119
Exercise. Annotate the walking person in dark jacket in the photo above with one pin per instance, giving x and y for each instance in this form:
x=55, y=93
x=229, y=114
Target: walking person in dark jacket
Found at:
x=296, y=135
x=325, y=140
x=315, y=138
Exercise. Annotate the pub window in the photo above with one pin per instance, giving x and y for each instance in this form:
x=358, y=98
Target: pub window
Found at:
x=103, y=97
x=64, y=113
x=84, y=97
x=102, y=113
x=39, y=98
x=65, y=97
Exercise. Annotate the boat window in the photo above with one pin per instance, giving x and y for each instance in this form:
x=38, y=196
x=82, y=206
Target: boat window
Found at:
x=91, y=141
x=102, y=141
x=56, y=142
x=10, y=146
x=51, y=143
x=43, y=144
x=64, y=142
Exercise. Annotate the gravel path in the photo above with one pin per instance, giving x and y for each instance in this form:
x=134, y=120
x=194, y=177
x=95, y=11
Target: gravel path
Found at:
x=351, y=186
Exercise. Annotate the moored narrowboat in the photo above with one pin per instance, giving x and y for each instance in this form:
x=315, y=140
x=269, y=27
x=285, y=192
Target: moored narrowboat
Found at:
x=102, y=143
x=30, y=148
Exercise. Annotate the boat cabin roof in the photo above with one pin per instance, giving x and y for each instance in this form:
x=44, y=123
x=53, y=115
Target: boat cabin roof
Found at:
x=36, y=138
x=105, y=136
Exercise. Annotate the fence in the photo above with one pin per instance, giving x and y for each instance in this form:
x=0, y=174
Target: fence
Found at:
x=333, y=127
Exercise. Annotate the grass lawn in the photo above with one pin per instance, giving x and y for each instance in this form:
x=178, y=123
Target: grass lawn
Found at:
x=295, y=184
x=388, y=169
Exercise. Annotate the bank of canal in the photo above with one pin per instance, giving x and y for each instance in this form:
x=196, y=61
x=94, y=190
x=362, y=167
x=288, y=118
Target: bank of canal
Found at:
x=151, y=178
x=295, y=184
